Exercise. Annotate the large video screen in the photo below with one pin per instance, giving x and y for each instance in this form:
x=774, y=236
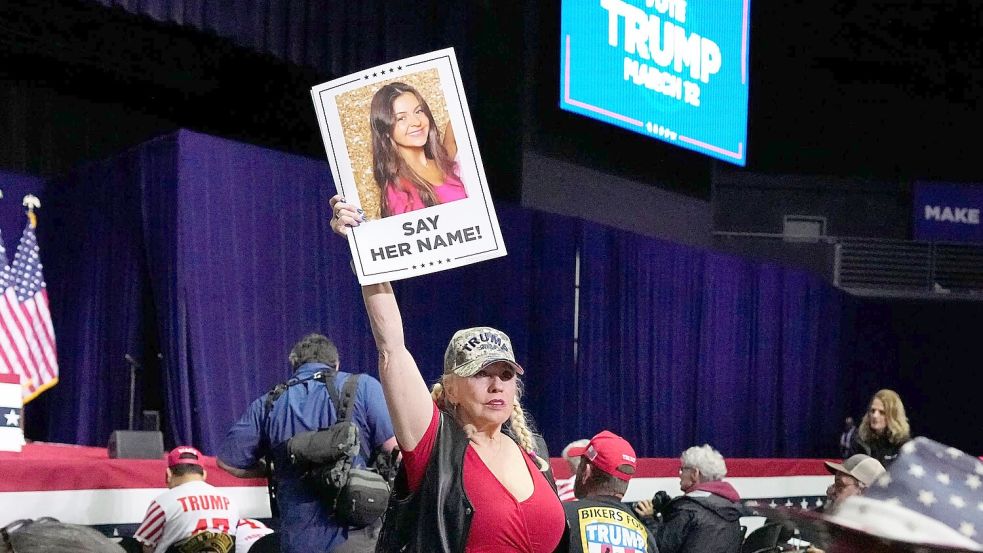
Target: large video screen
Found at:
x=675, y=70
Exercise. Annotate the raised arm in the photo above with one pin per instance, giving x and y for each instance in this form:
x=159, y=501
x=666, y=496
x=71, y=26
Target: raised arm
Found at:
x=407, y=396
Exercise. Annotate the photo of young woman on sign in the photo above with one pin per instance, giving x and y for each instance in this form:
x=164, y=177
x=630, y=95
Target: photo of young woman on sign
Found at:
x=402, y=145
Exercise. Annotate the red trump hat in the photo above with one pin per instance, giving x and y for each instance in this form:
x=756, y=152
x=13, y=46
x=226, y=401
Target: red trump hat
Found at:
x=174, y=457
x=610, y=453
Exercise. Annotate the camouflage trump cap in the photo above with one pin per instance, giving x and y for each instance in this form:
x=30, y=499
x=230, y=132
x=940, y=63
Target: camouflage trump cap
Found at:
x=472, y=349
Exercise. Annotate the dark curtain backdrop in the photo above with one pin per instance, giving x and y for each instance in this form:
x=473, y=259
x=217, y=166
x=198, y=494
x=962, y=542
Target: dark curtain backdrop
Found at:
x=12, y=213
x=336, y=38
x=682, y=346
x=330, y=36
x=91, y=244
x=930, y=353
x=528, y=294
x=240, y=261
x=218, y=256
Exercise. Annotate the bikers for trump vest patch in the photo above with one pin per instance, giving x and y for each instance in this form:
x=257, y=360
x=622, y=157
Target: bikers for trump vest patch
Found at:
x=602, y=525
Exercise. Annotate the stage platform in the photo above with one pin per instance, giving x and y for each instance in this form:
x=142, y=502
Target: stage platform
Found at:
x=83, y=485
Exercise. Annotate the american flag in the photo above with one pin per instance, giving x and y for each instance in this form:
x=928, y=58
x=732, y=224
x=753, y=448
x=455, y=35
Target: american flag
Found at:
x=27, y=338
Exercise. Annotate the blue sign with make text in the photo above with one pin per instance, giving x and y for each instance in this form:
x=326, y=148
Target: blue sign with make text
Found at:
x=945, y=212
x=675, y=70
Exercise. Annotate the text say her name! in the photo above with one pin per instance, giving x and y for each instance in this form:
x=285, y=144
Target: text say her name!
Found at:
x=426, y=243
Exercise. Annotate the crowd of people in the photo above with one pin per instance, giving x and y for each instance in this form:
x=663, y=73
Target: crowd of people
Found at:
x=473, y=476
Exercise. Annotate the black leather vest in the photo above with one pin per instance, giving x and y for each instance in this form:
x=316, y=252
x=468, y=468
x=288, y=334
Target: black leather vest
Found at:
x=437, y=517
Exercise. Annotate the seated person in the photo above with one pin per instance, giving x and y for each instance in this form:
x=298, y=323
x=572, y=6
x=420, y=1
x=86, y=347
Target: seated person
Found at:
x=852, y=477
x=706, y=518
x=191, y=509
x=49, y=535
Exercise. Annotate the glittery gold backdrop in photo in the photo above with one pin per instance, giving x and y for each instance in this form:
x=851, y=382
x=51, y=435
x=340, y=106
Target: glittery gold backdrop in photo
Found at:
x=353, y=109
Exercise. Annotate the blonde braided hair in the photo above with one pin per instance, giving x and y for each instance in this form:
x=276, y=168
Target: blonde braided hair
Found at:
x=517, y=422
x=522, y=432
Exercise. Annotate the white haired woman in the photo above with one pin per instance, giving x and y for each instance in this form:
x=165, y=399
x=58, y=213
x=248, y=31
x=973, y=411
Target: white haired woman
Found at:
x=705, y=518
x=471, y=479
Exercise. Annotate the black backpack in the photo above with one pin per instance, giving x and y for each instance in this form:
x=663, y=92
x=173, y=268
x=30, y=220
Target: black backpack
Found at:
x=356, y=497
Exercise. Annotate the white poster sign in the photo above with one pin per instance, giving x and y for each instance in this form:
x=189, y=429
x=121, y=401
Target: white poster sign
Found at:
x=402, y=147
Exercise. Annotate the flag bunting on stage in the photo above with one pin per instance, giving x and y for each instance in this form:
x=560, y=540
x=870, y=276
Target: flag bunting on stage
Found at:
x=27, y=338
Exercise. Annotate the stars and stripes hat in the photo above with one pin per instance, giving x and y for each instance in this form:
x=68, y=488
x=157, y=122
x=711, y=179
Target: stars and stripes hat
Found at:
x=931, y=494
x=930, y=500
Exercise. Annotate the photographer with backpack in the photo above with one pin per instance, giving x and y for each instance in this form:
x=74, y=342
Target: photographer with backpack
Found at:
x=323, y=409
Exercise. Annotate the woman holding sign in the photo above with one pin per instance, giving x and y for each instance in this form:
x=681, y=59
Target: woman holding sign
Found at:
x=471, y=479
x=412, y=164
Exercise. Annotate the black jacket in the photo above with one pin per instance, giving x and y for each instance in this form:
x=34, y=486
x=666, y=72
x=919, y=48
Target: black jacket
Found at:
x=437, y=517
x=698, y=523
x=603, y=522
x=879, y=448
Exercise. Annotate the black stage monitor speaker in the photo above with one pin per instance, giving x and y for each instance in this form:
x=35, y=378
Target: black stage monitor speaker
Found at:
x=136, y=444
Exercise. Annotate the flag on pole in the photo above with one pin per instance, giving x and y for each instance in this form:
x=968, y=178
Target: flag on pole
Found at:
x=27, y=338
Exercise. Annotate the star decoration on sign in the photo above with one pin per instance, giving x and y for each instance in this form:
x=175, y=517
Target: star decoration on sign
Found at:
x=13, y=418
x=957, y=502
x=943, y=478
x=917, y=471
x=967, y=529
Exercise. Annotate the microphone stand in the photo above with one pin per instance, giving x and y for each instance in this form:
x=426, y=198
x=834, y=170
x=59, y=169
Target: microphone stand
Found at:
x=134, y=365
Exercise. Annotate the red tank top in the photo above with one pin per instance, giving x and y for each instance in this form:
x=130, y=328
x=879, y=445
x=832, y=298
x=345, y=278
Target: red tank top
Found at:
x=500, y=522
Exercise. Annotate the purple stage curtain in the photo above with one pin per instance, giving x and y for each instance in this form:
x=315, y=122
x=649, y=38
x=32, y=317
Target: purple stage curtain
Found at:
x=681, y=346
x=92, y=248
x=528, y=294
x=241, y=265
x=219, y=256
